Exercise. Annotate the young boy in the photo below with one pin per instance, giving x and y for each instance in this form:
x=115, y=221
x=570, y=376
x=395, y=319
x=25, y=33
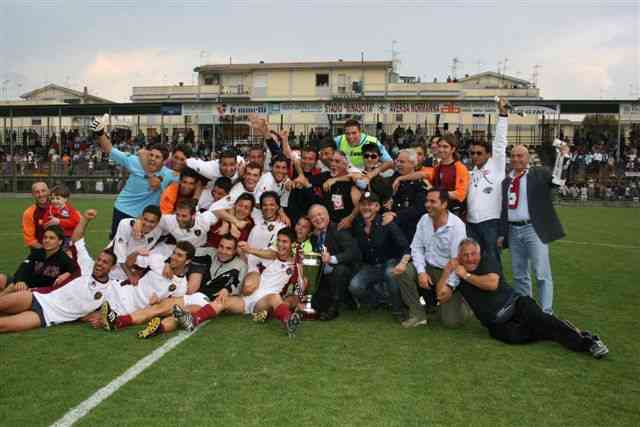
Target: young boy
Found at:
x=61, y=212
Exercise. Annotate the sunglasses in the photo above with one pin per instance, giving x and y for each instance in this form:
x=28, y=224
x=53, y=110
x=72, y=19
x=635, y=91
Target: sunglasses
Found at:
x=477, y=153
x=370, y=156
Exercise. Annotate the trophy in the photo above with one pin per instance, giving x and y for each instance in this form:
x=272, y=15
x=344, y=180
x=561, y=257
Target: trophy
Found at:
x=311, y=271
x=562, y=162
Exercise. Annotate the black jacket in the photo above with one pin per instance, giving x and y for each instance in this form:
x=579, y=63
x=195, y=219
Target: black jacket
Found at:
x=409, y=204
x=543, y=216
x=385, y=242
x=340, y=244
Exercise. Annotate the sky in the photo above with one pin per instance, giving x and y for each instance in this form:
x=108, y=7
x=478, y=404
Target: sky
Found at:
x=584, y=48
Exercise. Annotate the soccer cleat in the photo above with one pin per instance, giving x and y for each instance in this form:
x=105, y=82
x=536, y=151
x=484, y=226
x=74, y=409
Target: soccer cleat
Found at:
x=151, y=330
x=598, y=348
x=184, y=318
x=414, y=322
x=108, y=317
x=260, y=316
x=292, y=324
x=98, y=125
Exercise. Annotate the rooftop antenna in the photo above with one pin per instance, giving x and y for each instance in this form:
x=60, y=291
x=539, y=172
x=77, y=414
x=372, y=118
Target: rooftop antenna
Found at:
x=454, y=68
x=479, y=63
x=230, y=61
x=362, y=57
x=535, y=75
x=504, y=68
x=395, y=56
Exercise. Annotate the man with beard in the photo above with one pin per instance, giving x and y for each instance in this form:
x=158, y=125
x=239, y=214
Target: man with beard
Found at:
x=342, y=197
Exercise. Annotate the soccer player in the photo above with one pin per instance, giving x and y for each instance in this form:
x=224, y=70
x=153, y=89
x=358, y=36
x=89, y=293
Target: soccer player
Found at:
x=252, y=173
x=153, y=287
x=275, y=180
x=185, y=189
x=278, y=269
x=29, y=310
x=227, y=273
x=127, y=240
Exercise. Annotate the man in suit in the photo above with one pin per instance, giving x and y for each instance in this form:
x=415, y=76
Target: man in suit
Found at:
x=528, y=223
x=339, y=254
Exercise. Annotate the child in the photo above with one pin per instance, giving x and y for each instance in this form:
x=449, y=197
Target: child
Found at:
x=61, y=212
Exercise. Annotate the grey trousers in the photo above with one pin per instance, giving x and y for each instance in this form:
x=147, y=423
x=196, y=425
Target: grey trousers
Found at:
x=452, y=314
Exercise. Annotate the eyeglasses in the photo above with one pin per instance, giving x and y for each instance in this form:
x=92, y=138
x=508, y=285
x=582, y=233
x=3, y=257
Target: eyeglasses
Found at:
x=477, y=153
x=370, y=156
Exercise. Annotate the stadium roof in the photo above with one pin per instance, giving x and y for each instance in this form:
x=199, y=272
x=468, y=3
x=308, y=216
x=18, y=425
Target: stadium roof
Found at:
x=53, y=86
x=293, y=65
x=567, y=106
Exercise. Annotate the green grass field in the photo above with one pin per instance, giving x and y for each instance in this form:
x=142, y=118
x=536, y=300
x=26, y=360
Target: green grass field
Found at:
x=362, y=369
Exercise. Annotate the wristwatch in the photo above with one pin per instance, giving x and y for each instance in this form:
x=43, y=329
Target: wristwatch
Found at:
x=467, y=276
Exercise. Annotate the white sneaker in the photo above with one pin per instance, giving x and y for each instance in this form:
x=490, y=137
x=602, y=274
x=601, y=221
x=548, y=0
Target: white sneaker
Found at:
x=414, y=322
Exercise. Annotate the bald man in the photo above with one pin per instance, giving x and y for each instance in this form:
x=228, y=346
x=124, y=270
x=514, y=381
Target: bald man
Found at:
x=528, y=223
x=32, y=218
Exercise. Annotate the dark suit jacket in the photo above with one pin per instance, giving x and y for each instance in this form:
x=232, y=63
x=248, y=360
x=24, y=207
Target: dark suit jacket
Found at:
x=541, y=211
x=341, y=244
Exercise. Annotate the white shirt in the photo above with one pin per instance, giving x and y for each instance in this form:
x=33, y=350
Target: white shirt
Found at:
x=268, y=182
x=206, y=198
x=229, y=200
x=438, y=247
x=211, y=169
x=127, y=299
x=196, y=234
x=275, y=276
x=484, y=201
x=264, y=233
x=79, y=297
x=124, y=243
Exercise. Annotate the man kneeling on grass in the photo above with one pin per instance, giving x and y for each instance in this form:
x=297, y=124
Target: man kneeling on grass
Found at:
x=261, y=293
x=161, y=280
x=510, y=318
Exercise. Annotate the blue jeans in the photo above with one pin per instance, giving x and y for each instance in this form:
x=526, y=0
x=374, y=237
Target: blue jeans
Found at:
x=486, y=234
x=363, y=285
x=527, y=249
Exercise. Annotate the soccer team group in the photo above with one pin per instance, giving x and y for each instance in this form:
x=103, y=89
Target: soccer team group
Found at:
x=419, y=235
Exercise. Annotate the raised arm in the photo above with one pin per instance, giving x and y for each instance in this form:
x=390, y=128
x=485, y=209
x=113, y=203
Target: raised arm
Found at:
x=99, y=127
x=78, y=232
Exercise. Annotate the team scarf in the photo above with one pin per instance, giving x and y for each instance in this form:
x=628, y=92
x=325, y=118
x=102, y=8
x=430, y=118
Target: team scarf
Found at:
x=514, y=191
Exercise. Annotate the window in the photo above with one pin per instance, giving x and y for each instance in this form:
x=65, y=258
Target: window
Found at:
x=399, y=118
x=213, y=79
x=322, y=80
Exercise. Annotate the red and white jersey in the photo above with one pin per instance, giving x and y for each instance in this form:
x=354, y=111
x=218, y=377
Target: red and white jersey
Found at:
x=124, y=243
x=275, y=275
x=210, y=169
x=196, y=234
x=126, y=299
x=264, y=233
x=79, y=297
x=268, y=182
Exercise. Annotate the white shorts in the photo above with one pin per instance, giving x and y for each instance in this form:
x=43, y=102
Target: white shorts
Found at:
x=198, y=299
x=251, y=300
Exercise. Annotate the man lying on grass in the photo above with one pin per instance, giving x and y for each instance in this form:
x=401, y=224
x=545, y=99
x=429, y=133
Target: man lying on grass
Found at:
x=261, y=293
x=161, y=280
x=510, y=318
x=227, y=273
x=82, y=296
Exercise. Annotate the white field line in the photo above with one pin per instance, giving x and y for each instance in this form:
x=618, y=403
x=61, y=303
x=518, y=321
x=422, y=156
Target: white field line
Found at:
x=604, y=245
x=75, y=414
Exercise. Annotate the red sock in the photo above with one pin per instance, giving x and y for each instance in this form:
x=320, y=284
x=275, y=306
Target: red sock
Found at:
x=123, y=321
x=282, y=313
x=206, y=312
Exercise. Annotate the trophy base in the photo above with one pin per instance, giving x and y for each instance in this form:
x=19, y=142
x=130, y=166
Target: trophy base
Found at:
x=308, y=313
